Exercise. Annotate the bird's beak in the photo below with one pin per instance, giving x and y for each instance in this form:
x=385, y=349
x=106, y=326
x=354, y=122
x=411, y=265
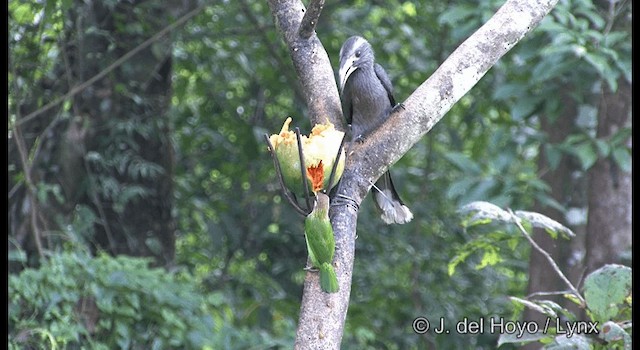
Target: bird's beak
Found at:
x=345, y=71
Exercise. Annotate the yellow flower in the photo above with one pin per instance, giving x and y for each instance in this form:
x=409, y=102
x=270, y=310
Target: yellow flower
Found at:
x=320, y=149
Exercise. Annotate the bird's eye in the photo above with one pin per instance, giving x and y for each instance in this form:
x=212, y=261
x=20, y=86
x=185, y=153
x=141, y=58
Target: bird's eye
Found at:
x=358, y=53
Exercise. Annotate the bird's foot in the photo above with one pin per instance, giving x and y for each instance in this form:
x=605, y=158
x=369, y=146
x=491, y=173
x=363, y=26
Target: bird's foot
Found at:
x=354, y=138
x=340, y=199
x=310, y=268
x=397, y=108
x=359, y=139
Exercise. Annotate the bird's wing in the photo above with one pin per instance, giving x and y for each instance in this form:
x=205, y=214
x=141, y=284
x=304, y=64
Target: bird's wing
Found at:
x=312, y=253
x=347, y=107
x=320, y=241
x=386, y=82
x=385, y=182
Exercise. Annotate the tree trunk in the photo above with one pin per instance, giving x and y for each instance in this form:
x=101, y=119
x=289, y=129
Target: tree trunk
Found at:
x=609, y=222
x=562, y=188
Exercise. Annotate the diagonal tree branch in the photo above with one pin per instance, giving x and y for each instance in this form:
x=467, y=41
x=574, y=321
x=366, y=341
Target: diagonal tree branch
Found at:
x=322, y=315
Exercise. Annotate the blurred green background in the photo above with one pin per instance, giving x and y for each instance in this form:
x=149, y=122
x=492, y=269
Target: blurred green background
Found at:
x=144, y=211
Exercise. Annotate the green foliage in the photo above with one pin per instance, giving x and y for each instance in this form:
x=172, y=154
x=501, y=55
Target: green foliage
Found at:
x=483, y=212
x=607, y=291
x=105, y=151
x=483, y=217
x=240, y=248
x=76, y=301
x=582, y=52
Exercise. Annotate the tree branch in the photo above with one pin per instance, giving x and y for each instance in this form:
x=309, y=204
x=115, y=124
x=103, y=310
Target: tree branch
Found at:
x=31, y=189
x=311, y=63
x=310, y=19
x=322, y=315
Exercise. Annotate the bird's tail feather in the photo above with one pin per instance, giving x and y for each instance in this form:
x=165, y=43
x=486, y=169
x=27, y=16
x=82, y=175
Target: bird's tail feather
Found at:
x=328, y=278
x=388, y=201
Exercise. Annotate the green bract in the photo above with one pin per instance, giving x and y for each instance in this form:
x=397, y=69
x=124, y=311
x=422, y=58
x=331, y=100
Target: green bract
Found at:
x=320, y=149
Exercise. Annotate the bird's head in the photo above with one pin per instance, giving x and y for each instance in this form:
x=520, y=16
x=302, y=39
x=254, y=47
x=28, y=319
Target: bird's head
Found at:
x=356, y=52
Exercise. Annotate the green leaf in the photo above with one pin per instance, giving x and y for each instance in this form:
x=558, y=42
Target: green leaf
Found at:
x=455, y=15
x=611, y=332
x=547, y=200
x=549, y=25
x=603, y=148
x=573, y=298
x=483, y=189
x=517, y=338
x=23, y=13
x=606, y=289
x=595, y=18
x=460, y=187
x=490, y=257
x=17, y=255
x=586, y=154
x=549, y=70
x=612, y=81
x=456, y=260
x=542, y=221
x=614, y=38
x=409, y=8
x=484, y=211
x=553, y=155
x=623, y=159
x=524, y=107
x=621, y=136
x=510, y=90
x=537, y=305
x=463, y=162
x=598, y=62
x=563, y=342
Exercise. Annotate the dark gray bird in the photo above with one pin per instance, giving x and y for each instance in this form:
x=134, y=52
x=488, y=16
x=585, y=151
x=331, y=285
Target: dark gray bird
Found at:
x=367, y=101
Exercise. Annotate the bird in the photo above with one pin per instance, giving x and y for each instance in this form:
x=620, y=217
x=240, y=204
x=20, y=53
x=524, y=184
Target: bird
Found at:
x=367, y=99
x=321, y=243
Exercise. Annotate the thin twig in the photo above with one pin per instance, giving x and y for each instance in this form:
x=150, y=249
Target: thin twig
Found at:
x=560, y=292
x=555, y=267
x=113, y=66
x=28, y=180
x=335, y=165
x=96, y=201
x=610, y=17
x=40, y=138
x=303, y=170
x=310, y=19
x=22, y=150
x=285, y=191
